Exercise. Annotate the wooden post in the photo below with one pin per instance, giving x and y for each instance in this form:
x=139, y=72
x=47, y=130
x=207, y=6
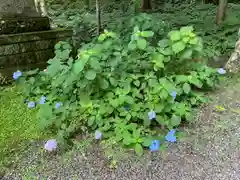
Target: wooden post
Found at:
x=98, y=16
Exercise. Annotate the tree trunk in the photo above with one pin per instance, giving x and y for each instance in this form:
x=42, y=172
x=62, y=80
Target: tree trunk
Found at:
x=221, y=11
x=146, y=5
x=98, y=17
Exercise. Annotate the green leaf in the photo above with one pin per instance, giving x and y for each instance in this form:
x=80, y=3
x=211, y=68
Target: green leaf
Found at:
x=158, y=60
x=91, y=121
x=136, y=83
x=163, y=43
x=186, y=30
x=164, y=94
x=104, y=84
x=175, y=120
x=94, y=63
x=113, y=81
x=194, y=41
x=142, y=43
x=90, y=74
x=67, y=46
x=85, y=100
x=195, y=81
x=139, y=149
x=174, y=35
x=152, y=82
x=178, y=47
x=147, y=142
x=181, y=78
x=132, y=46
x=136, y=133
x=78, y=66
x=186, y=88
x=102, y=37
x=147, y=33
x=127, y=140
x=57, y=46
x=159, y=108
x=187, y=54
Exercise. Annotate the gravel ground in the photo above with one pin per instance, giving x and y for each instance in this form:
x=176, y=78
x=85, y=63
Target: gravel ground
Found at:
x=212, y=153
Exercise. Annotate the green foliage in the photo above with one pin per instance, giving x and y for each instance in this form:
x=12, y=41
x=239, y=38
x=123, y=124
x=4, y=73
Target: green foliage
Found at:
x=112, y=86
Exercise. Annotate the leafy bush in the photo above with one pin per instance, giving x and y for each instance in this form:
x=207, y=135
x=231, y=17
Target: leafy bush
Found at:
x=130, y=93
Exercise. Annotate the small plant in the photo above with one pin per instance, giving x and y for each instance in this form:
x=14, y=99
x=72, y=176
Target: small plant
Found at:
x=134, y=94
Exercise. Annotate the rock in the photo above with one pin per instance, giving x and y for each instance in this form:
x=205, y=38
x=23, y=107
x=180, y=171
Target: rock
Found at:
x=233, y=64
x=18, y=8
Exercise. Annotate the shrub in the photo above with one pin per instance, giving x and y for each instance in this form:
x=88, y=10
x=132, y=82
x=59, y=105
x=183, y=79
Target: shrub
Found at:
x=132, y=94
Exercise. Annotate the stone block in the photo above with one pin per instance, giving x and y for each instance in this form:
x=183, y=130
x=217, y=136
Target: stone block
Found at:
x=21, y=25
x=18, y=8
x=25, y=51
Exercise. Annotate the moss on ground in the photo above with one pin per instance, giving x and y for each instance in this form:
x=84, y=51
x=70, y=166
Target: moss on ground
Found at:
x=18, y=125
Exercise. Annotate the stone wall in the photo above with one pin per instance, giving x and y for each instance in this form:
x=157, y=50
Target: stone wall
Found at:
x=29, y=50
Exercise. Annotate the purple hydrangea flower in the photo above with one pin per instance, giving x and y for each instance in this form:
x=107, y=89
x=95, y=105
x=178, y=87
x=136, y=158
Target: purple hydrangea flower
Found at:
x=58, y=105
x=17, y=74
x=51, y=145
x=151, y=115
x=31, y=104
x=221, y=71
x=170, y=137
x=98, y=135
x=42, y=100
x=173, y=94
x=155, y=146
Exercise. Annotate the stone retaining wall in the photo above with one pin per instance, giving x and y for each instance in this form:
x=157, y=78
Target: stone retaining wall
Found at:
x=29, y=50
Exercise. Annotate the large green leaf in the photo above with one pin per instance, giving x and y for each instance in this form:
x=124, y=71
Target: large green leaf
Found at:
x=142, y=43
x=78, y=66
x=193, y=40
x=175, y=35
x=196, y=82
x=90, y=74
x=139, y=149
x=147, y=33
x=186, y=88
x=104, y=84
x=163, y=43
x=94, y=63
x=186, y=30
x=181, y=78
x=175, y=120
x=178, y=46
x=187, y=54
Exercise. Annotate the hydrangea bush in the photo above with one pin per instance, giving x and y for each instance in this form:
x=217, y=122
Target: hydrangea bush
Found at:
x=134, y=94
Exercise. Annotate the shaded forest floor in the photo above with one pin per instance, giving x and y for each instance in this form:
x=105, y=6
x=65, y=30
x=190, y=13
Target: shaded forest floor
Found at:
x=210, y=150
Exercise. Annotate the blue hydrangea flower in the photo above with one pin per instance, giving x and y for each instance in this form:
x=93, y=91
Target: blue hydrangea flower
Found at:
x=170, y=137
x=31, y=104
x=155, y=146
x=221, y=71
x=98, y=134
x=173, y=94
x=151, y=115
x=42, y=100
x=58, y=105
x=51, y=145
x=17, y=74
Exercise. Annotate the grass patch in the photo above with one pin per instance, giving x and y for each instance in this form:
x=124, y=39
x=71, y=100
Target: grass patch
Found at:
x=18, y=125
